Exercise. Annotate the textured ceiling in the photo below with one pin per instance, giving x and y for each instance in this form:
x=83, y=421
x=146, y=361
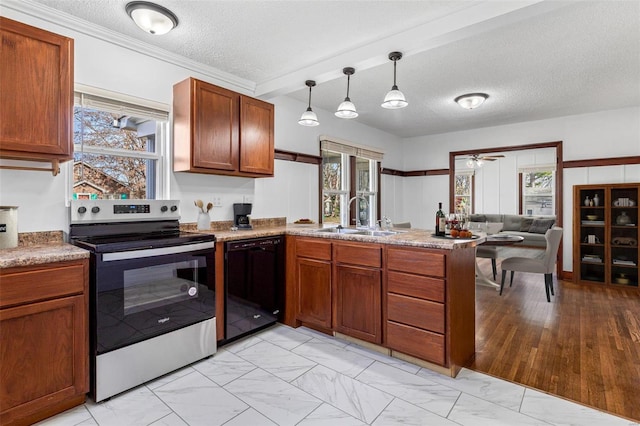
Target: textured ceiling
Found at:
x=536, y=60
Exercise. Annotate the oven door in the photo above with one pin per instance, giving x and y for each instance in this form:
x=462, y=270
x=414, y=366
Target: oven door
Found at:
x=141, y=294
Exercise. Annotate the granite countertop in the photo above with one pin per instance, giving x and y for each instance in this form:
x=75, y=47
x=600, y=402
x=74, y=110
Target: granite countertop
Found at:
x=37, y=254
x=41, y=248
x=404, y=237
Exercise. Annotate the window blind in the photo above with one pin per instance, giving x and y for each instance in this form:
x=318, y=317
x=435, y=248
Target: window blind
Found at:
x=118, y=103
x=345, y=147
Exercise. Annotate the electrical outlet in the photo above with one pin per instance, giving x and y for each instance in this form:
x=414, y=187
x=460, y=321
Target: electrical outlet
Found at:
x=247, y=199
x=217, y=201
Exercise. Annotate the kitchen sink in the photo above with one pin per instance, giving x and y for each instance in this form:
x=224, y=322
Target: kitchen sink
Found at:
x=352, y=231
x=336, y=230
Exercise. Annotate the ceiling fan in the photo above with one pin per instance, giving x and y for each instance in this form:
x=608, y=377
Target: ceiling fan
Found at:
x=476, y=160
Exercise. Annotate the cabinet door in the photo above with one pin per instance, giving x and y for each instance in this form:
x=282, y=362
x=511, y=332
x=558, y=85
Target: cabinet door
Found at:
x=43, y=356
x=215, y=127
x=313, y=278
x=357, y=302
x=256, y=136
x=36, y=94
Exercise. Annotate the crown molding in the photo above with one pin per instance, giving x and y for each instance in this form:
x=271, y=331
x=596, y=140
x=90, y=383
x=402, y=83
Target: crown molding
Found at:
x=73, y=23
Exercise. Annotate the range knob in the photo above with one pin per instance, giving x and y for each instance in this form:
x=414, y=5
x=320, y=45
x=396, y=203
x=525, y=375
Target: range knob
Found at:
x=95, y=209
x=174, y=208
x=82, y=209
x=164, y=209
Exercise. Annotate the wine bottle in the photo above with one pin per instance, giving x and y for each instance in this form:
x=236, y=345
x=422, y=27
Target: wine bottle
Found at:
x=440, y=221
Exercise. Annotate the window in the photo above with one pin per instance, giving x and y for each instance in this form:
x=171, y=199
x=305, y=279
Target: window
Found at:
x=335, y=187
x=349, y=184
x=538, y=190
x=118, y=149
x=464, y=183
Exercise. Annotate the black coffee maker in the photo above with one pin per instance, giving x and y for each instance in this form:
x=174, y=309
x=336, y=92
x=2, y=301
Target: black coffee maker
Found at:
x=241, y=212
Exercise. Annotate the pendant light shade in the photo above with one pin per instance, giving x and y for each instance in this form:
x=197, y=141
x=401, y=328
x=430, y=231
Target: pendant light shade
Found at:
x=471, y=100
x=395, y=98
x=151, y=18
x=347, y=109
x=309, y=118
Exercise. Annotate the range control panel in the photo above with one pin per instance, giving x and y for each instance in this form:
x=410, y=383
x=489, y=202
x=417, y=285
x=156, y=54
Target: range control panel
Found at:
x=102, y=211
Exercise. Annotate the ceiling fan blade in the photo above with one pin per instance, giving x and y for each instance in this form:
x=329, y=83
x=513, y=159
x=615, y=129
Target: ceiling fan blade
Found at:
x=488, y=159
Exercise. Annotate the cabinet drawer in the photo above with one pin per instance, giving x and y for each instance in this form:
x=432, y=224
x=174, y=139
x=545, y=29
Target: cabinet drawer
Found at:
x=416, y=312
x=416, y=286
x=39, y=284
x=416, y=261
x=313, y=248
x=358, y=254
x=416, y=342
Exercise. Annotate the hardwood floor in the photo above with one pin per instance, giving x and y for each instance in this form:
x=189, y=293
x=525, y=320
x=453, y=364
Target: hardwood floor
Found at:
x=583, y=346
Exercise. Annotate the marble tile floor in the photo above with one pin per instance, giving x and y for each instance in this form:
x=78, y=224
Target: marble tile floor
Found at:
x=286, y=376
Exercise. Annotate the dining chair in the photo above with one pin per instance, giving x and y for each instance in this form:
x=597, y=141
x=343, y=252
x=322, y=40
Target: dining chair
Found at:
x=489, y=252
x=537, y=266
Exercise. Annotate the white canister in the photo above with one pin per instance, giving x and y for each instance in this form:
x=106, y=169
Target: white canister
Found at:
x=8, y=227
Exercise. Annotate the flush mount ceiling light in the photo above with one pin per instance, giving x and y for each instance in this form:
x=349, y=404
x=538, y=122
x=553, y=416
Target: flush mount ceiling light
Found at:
x=347, y=109
x=395, y=98
x=471, y=100
x=309, y=118
x=152, y=18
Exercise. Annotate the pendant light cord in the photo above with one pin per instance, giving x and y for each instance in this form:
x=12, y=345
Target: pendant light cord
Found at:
x=348, y=80
x=395, y=86
x=309, y=107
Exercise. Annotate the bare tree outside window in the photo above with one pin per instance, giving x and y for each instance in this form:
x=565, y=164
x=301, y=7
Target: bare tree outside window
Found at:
x=463, y=194
x=538, y=192
x=102, y=168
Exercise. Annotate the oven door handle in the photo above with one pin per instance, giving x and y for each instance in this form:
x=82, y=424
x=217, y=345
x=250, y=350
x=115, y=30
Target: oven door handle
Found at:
x=136, y=254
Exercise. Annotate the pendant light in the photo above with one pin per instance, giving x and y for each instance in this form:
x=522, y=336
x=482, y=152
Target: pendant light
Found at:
x=151, y=18
x=347, y=109
x=471, y=100
x=395, y=98
x=309, y=118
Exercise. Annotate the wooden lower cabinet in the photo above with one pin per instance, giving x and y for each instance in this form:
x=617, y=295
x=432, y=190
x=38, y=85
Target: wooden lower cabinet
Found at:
x=358, y=291
x=414, y=301
x=43, y=341
x=430, y=304
x=417, y=342
x=313, y=281
x=314, y=292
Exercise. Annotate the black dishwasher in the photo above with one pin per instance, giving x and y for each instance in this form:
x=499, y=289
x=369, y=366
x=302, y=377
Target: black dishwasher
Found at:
x=254, y=284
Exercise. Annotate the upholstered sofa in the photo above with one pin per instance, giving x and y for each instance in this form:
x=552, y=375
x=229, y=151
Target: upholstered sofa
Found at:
x=532, y=228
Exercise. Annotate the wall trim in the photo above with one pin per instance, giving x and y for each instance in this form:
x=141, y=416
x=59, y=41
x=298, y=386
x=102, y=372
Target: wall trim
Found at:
x=598, y=162
x=297, y=157
x=431, y=172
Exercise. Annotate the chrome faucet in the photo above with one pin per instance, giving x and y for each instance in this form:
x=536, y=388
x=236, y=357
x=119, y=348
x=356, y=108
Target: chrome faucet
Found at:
x=385, y=223
x=358, y=224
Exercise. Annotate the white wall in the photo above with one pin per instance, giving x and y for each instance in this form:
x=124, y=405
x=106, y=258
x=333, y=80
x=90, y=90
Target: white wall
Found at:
x=597, y=135
x=292, y=193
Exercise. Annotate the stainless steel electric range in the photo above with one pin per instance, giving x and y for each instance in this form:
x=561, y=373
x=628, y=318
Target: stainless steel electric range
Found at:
x=152, y=299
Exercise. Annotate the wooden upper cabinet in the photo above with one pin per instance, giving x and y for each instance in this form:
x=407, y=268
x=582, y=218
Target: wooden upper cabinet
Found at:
x=219, y=131
x=256, y=136
x=36, y=93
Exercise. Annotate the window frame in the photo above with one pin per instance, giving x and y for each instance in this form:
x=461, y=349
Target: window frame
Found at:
x=108, y=101
x=349, y=155
x=472, y=186
x=522, y=196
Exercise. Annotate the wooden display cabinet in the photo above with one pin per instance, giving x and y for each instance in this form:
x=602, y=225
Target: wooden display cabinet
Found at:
x=605, y=235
